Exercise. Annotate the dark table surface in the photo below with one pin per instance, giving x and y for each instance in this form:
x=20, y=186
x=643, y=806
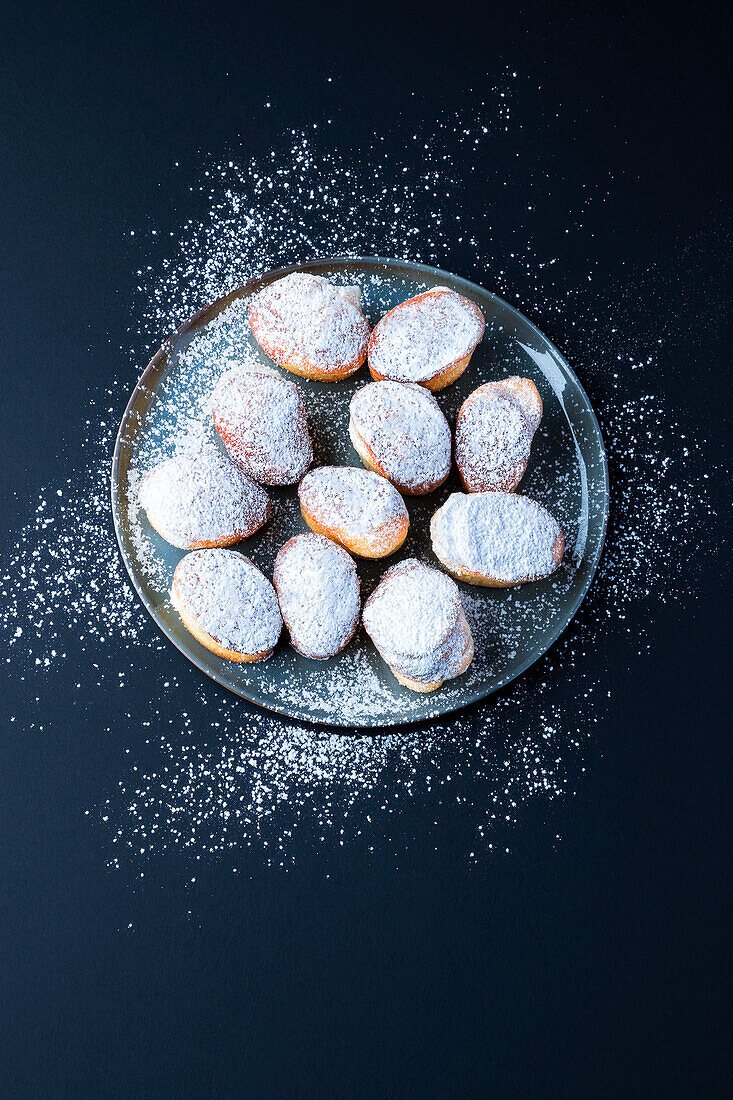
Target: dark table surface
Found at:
x=591, y=958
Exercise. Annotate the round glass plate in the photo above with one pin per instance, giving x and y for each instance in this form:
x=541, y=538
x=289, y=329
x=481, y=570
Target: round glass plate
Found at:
x=511, y=627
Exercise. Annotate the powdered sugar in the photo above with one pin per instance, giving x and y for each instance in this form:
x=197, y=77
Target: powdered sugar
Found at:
x=422, y=337
x=357, y=501
x=199, y=497
x=414, y=619
x=180, y=416
x=318, y=589
x=228, y=598
x=493, y=440
x=504, y=536
x=304, y=322
x=527, y=396
x=203, y=784
x=261, y=419
x=404, y=428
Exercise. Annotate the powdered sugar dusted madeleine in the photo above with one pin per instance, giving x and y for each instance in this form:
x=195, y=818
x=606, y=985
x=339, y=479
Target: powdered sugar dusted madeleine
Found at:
x=494, y=433
x=318, y=589
x=496, y=539
x=428, y=339
x=415, y=619
x=261, y=419
x=200, y=498
x=311, y=327
x=356, y=508
x=227, y=604
x=400, y=432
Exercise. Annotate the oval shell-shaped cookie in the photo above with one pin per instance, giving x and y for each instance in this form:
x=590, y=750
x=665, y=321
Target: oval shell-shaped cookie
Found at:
x=356, y=508
x=400, y=432
x=311, y=327
x=261, y=420
x=318, y=589
x=496, y=539
x=494, y=433
x=415, y=619
x=200, y=498
x=227, y=604
x=428, y=339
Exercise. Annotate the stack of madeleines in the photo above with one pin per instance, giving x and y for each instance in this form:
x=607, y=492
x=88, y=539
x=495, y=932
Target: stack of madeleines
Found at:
x=205, y=500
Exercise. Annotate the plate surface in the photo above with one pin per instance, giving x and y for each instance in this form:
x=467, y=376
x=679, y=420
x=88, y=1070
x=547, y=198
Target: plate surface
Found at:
x=511, y=627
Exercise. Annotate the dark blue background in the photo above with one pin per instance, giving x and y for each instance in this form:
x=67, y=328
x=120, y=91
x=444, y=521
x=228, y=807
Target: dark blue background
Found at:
x=596, y=967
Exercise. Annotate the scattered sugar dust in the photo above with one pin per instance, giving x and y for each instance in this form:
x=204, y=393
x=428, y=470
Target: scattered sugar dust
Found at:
x=229, y=780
